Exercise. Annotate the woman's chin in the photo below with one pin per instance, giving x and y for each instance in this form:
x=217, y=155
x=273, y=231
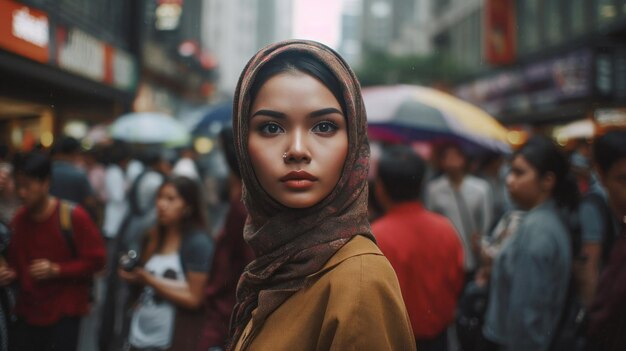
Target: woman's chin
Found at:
x=299, y=201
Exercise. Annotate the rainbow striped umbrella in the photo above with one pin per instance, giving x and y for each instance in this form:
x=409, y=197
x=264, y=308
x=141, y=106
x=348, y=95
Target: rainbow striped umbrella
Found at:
x=405, y=113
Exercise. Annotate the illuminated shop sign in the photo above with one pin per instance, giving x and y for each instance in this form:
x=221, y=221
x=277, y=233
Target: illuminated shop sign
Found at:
x=24, y=30
x=168, y=13
x=537, y=85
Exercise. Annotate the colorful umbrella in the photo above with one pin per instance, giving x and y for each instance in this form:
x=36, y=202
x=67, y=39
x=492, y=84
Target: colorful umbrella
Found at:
x=406, y=113
x=150, y=128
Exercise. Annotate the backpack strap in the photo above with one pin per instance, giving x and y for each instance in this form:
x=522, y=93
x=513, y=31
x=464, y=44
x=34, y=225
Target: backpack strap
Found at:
x=65, y=219
x=133, y=193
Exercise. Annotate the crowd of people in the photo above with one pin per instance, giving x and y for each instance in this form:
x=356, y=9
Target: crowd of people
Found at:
x=103, y=250
x=110, y=249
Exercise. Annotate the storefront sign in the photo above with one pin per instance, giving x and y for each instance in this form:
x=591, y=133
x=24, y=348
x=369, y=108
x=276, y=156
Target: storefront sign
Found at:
x=80, y=53
x=499, y=33
x=24, y=30
x=534, y=86
x=563, y=78
x=168, y=14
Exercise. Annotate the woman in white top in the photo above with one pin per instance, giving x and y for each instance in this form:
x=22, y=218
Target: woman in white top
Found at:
x=173, y=271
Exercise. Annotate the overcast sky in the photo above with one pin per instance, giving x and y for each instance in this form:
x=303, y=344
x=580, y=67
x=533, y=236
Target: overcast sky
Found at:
x=318, y=20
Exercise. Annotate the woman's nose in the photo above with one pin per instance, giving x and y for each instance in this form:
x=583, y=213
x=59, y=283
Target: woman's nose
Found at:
x=298, y=150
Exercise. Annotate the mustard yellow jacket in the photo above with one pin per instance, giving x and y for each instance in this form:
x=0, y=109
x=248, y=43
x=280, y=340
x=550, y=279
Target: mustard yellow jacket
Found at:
x=353, y=303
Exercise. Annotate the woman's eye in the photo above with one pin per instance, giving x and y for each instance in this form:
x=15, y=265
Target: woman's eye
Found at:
x=325, y=127
x=271, y=128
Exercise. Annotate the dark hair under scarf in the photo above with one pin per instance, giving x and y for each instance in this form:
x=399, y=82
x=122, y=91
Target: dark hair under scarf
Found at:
x=291, y=244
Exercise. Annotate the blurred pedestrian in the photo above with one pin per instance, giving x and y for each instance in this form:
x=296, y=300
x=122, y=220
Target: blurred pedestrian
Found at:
x=599, y=229
x=115, y=210
x=69, y=182
x=141, y=199
x=474, y=300
x=607, y=315
x=116, y=188
x=319, y=281
x=94, y=162
x=140, y=217
x=493, y=170
x=6, y=294
x=172, y=272
x=53, y=264
x=531, y=276
x=186, y=164
x=9, y=202
x=466, y=200
x=232, y=255
x=430, y=283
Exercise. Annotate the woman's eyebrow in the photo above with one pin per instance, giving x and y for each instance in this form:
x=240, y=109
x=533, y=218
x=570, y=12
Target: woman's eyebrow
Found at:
x=324, y=112
x=270, y=113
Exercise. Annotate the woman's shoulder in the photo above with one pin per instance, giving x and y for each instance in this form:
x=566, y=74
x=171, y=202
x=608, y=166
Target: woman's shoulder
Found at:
x=197, y=251
x=546, y=217
x=359, y=267
x=197, y=240
x=198, y=234
x=543, y=231
x=361, y=300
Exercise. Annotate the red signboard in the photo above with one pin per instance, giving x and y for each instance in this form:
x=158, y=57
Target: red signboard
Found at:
x=499, y=33
x=24, y=30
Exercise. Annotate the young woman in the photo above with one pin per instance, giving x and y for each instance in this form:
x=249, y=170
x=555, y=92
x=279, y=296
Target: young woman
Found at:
x=173, y=271
x=530, y=277
x=319, y=282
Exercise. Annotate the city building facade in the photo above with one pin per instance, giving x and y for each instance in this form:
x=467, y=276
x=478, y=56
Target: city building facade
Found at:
x=71, y=64
x=537, y=62
x=62, y=61
x=236, y=29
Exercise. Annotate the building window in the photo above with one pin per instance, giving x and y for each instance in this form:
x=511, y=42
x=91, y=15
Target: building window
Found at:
x=529, y=25
x=606, y=11
x=578, y=16
x=553, y=21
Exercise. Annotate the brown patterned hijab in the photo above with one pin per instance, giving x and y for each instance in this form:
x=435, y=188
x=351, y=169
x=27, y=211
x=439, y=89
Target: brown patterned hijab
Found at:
x=292, y=244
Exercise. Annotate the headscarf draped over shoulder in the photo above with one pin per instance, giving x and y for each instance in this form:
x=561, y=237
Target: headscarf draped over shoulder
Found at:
x=291, y=244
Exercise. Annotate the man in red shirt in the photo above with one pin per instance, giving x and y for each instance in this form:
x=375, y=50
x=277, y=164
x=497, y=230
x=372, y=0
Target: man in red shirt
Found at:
x=53, y=272
x=422, y=247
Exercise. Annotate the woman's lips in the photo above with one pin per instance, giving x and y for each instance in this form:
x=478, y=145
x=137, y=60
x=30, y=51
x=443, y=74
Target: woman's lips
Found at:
x=298, y=180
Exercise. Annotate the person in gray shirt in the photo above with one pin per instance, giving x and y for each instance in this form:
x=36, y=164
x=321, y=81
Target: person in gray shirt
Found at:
x=466, y=201
x=530, y=277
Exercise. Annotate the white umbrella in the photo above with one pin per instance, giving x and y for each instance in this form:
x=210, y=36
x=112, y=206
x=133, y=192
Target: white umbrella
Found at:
x=150, y=128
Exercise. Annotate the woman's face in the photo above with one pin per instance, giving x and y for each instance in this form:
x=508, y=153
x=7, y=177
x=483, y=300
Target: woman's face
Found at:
x=524, y=184
x=171, y=207
x=298, y=139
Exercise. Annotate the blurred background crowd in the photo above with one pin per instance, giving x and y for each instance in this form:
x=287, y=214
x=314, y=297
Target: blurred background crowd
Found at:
x=124, y=96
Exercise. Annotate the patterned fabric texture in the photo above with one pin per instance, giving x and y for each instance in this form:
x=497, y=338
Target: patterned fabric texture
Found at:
x=291, y=244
